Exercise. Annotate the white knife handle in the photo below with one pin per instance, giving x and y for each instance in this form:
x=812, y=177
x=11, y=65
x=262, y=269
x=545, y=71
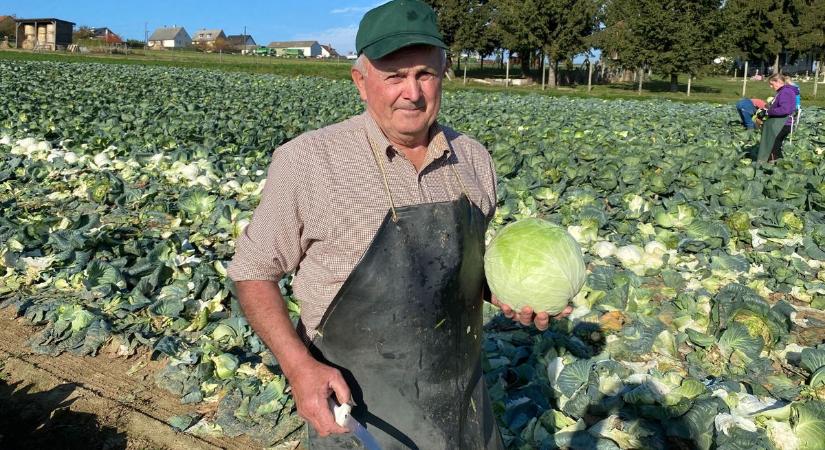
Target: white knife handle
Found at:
x=341, y=412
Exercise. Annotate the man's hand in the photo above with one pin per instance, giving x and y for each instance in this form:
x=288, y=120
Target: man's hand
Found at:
x=527, y=316
x=312, y=382
x=312, y=386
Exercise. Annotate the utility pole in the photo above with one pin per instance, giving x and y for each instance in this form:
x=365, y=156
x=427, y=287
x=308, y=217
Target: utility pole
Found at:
x=243, y=44
x=145, y=35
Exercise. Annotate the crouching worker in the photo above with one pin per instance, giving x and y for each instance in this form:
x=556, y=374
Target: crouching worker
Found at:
x=382, y=218
x=747, y=107
x=778, y=119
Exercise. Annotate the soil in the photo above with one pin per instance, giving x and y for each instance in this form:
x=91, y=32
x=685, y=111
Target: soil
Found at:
x=77, y=402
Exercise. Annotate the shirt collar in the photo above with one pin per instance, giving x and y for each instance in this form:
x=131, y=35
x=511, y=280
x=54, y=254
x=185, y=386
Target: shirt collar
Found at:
x=438, y=146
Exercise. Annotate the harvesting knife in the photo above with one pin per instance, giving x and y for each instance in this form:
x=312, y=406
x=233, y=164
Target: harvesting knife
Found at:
x=344, y=419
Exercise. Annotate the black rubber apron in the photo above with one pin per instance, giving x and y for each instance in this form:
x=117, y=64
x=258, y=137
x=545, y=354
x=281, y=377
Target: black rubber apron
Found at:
x=405, y=331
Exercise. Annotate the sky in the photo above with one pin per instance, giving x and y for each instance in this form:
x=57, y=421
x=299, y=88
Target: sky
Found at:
x=325, y=21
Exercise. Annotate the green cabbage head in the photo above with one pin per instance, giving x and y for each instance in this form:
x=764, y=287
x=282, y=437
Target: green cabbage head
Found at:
x=534, y=263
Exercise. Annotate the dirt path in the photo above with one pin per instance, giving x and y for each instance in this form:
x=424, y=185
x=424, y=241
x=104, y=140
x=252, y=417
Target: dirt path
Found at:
x=72, y=402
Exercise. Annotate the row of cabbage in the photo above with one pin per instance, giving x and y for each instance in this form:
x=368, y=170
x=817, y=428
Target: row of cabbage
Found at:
x=700, y=325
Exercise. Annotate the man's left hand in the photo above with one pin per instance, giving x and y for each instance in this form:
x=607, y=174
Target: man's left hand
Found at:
x=527, y=316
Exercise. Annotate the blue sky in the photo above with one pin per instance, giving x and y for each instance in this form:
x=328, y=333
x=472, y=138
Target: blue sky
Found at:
x=325, y=21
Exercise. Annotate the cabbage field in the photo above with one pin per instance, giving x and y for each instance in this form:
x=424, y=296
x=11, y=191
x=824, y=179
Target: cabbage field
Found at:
x=700, y=325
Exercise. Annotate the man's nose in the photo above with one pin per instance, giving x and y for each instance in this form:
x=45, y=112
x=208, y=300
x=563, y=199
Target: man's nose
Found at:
x=412, y=89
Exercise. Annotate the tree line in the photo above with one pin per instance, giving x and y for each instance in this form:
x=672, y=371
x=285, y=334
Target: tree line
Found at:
x=666, y=37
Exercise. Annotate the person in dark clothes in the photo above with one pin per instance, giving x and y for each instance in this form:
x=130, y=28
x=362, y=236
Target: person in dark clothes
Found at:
x=778, y=119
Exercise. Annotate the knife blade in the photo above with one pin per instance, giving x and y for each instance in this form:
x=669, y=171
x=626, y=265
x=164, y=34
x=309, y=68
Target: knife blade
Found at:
x=362, y=434
x=344, y=418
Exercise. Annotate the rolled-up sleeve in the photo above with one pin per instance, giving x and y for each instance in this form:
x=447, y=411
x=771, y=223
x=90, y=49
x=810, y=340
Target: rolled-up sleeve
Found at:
x=271, y=245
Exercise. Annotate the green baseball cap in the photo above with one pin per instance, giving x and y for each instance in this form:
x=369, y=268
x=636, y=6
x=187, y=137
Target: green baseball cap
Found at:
x=397, y=24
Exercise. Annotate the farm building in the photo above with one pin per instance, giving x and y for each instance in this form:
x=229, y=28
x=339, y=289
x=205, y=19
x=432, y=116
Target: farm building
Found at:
x=328, y=52
x=241, y=42
x=43, y=34
x=106, y=35
x=208, y=38
x=169, y=37
x=310, y=49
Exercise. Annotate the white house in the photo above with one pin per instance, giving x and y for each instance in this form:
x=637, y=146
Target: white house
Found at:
x=169, y=37
x=328, y=52
x=311, y=49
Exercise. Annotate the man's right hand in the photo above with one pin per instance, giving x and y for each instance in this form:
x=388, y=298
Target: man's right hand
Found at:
x=312, y=382
x=312, y=386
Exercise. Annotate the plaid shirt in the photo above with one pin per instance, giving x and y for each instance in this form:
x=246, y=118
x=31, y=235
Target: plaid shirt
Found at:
x=325, y=199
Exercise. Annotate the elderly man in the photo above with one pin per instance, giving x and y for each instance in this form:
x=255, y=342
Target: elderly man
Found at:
x=382, y=217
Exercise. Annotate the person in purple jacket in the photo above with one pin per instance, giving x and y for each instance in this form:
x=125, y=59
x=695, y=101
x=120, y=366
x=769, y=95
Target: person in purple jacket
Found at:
x=779, y=118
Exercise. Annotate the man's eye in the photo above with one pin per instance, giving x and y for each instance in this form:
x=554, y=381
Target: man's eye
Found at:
x=425, y=76
x=394, y=79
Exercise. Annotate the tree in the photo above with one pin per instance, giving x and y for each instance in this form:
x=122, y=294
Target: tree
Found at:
x=811, y=30
x=668, y=36
x=476, y=33
x=521, y=27
x=7, y=27
x=465, y=25
x=221, y=45
x=568, y=24
x=761, y=29
x=84, y=32
x=450, y=14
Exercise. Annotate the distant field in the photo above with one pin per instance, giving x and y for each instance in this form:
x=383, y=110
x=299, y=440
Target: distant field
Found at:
x=226, y=62
x=704, y=89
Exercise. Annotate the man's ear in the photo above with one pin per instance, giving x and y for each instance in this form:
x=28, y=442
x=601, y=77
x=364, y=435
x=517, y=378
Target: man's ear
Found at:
x=360, y=82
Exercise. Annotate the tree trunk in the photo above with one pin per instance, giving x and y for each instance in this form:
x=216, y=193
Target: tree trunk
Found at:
x=551, y=73
x=627, y=76
x=589, y=76
x=776, y=64
x=641, y=78
x=525, y=64
x=558, y=71
x=543, y=78
x=674, y=82
x=481, y=63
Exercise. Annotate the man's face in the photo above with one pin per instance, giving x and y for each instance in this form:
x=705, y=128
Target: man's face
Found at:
x=403, y=91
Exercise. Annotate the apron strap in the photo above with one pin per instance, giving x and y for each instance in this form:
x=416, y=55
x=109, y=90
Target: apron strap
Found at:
x=460, y=182
x=380, y=163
